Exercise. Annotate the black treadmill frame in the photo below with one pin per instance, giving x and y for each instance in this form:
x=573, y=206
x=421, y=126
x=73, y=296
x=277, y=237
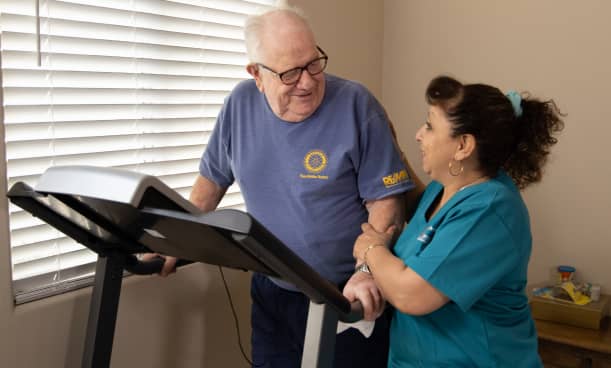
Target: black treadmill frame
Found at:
x=100, y=225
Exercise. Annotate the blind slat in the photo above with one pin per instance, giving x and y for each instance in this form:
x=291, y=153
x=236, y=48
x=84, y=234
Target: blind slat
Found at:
x=211, y=50
x=64, y=147
x=32, y=113
x=69, y=62
x=125, y=96
x=43, y=249
x=53, y=263
x=112, y=11
x=75, y=129
x=15, y=78
x=35, y=166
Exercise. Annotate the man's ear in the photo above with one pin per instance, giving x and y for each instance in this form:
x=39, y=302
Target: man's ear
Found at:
x=466, y=147
x=253, y=69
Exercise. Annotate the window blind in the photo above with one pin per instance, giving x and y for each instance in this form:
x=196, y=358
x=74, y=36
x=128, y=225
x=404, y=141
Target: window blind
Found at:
x=135, y=84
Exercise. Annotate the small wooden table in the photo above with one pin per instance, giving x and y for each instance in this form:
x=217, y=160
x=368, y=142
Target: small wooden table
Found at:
x=567, y=346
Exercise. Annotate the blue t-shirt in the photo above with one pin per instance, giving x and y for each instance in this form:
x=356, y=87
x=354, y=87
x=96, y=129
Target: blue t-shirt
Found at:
x=307, y=182
x=475, y=250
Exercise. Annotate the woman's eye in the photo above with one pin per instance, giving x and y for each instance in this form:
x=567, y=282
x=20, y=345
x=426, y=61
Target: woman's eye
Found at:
x=427, y=125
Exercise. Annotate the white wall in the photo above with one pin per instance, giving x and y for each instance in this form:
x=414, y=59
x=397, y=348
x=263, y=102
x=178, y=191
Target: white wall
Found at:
x=552, y=48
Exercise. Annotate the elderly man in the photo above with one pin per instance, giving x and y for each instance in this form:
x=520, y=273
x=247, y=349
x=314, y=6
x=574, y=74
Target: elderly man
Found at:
x=315, y=158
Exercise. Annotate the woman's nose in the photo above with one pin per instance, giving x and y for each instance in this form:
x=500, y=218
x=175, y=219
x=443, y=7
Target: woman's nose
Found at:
x=419, y=135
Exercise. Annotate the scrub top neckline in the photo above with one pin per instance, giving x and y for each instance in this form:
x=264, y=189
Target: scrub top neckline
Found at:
x=449, y=204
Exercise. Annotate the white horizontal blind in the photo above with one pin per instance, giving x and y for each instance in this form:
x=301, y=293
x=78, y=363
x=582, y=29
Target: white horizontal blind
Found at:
x=135, y=84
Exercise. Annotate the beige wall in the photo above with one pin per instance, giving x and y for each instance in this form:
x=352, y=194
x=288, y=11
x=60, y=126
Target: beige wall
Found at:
x=182, y=321
x=351, y=33
x=553, y=49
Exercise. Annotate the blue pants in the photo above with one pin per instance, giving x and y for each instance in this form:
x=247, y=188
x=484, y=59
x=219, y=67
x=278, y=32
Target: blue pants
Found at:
x=278, y=331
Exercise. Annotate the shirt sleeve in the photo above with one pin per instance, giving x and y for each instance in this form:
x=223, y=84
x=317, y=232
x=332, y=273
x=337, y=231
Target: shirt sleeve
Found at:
x=468, y=254
x=215, y=163
x=381, y=171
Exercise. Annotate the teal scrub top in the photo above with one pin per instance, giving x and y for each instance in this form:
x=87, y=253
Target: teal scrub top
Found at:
x=475, y=250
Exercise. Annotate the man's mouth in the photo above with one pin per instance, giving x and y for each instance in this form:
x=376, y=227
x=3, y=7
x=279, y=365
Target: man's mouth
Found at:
x=303, y=95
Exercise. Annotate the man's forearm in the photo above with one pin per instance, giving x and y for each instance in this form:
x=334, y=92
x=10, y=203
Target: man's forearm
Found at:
x=386, y=212
x=206, y=194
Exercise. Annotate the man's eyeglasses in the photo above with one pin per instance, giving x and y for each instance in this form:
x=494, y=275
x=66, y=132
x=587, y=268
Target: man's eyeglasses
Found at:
x=291, y=76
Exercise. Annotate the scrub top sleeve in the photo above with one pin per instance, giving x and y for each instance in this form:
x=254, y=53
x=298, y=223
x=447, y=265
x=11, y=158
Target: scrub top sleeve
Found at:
x=215, y=163
x=468, y=254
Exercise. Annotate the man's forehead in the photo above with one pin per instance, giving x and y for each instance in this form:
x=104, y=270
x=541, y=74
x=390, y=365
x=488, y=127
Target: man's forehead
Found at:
x=284, y=56
x=286, y=38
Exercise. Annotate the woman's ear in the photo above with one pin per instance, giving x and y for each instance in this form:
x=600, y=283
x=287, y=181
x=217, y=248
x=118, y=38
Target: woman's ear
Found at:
x=466, y=147
x=253, y=69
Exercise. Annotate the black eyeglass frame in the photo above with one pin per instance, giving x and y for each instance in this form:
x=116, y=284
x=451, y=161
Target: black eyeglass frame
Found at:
x=300, y=68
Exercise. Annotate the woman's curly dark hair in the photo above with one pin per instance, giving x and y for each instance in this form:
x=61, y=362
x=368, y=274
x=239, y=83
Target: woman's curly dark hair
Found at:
x=517, y=144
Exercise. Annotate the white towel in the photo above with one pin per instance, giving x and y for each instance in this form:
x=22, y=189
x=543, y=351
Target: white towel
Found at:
x=365, y=327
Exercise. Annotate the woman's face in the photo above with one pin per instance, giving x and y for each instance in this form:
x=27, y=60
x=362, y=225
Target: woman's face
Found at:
x=437, y=146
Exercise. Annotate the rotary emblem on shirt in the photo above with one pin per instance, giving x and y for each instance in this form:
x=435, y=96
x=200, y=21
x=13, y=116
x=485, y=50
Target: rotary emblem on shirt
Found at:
x=314, y=162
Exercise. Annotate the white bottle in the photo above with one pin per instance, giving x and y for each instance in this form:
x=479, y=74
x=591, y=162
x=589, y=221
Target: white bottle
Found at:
x=595, y=293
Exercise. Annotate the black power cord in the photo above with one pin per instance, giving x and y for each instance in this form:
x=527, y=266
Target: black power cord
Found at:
x=235, y=319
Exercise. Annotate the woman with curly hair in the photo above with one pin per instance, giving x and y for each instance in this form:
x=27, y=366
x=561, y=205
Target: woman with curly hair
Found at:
x=457, y=274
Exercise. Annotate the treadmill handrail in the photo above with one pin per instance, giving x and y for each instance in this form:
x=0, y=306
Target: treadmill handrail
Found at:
x=248, y=232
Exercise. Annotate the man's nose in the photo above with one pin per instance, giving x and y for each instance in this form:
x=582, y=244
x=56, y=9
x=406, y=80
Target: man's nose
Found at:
x=305, y=80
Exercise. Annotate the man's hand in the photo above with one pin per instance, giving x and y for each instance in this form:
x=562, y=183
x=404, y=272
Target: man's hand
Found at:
x=169, y=266
x=362, y=287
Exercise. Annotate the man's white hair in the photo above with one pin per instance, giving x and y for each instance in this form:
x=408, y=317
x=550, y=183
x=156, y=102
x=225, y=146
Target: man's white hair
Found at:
x=255, y=24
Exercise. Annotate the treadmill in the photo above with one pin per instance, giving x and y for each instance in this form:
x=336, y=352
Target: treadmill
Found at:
x=119, y=213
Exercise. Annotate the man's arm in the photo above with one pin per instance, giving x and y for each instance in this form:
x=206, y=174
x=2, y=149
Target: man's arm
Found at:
x=386, y=212
x=412, y=198
x=383, y=213
x=206, y=196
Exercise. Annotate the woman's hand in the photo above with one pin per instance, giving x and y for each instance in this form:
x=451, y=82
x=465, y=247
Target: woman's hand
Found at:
x=371, y=237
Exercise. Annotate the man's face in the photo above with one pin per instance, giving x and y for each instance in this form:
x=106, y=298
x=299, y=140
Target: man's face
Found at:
x=296, y=102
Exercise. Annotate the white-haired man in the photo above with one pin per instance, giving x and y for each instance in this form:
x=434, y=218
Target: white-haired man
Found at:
x=315, y=158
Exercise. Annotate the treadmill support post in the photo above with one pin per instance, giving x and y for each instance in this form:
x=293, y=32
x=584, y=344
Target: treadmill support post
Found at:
x=321, y=330
x=103, y=310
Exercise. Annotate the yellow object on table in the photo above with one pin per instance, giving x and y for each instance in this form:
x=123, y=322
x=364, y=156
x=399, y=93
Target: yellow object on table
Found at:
x=565, y=292
x=577, y=296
